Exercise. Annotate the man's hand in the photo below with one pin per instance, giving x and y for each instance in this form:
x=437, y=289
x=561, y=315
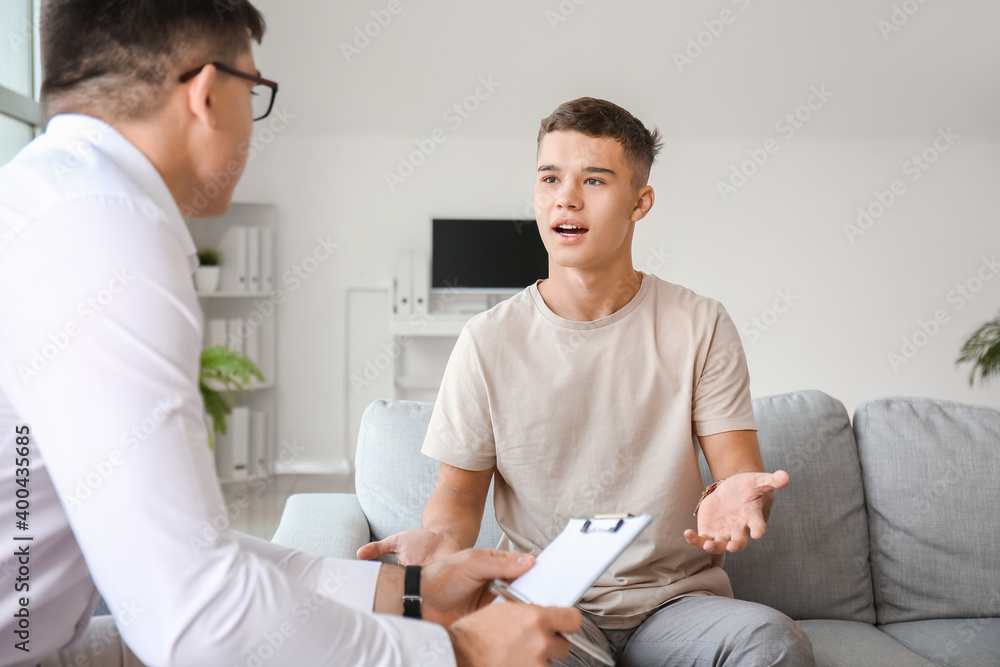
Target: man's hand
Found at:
x=513, y=634
x=412, y=547
x=733, y=510
x=459, y=584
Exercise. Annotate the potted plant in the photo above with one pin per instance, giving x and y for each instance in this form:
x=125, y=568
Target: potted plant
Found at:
x=206, y=276
x=982, y=350
x=222, y=371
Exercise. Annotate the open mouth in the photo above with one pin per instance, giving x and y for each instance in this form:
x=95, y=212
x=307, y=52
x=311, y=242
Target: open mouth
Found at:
x=569, y=230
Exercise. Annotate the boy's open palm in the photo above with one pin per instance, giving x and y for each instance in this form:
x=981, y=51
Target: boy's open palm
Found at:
x=734, y=510
x=412, y=547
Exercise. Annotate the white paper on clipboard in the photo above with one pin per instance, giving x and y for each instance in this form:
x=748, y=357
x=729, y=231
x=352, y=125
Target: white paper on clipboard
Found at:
x=577, y=558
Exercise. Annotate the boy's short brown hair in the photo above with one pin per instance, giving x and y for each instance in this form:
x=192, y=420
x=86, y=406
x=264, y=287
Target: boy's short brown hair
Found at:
x=114, y=58
x=600, y=118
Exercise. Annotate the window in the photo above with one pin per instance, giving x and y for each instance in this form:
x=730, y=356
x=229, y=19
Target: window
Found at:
x=20, y=76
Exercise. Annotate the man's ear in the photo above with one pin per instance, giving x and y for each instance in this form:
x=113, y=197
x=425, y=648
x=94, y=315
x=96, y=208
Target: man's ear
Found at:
x=644, y=202
x=200, y=96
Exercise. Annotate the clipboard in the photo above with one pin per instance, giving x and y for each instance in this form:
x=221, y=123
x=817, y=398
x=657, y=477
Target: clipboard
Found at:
x=570, y=565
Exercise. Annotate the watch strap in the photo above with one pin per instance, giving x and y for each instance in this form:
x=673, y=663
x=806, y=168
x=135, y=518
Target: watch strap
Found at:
x=411, y=592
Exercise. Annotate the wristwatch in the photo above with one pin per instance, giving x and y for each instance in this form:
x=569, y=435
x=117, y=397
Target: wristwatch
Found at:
x=411, y=592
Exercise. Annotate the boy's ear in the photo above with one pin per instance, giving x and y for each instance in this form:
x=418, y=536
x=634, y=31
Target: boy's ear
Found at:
x=200, y=96
x=644, y=202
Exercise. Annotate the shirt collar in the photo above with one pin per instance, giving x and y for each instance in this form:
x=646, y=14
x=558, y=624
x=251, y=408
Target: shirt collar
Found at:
x=132, y=162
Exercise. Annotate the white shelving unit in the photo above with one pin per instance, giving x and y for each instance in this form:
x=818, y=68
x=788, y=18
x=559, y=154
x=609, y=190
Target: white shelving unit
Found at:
x=425, y=325
x=259, y=442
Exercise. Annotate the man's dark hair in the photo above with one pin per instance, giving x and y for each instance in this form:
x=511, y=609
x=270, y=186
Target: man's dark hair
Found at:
x=118, y=59
x=600, y=118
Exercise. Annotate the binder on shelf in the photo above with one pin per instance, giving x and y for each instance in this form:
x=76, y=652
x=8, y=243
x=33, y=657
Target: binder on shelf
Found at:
x=216, y=332
x=265, y=348
x=233, y=249
x=237, y=333
x=266, y=259
x=239, y=442
x=258, y=440
x=251, y=343
x=253, y=259
x=421, y=272
x=223, y=455
x=402, y=305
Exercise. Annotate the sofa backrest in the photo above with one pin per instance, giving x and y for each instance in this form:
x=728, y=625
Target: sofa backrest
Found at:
x=393, y=479
x=813, y=560
x=931, y=470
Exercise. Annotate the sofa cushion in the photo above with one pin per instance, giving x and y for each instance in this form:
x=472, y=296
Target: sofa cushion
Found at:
x=930, y=469
x=393, y=479
x=851, y=644
x=813, y=560
x=966, y=642
x=323, y=524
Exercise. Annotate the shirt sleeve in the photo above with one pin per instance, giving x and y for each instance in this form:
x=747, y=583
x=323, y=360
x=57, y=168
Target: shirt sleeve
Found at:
x=102, y=360
x=460, y=432
x=721, y=400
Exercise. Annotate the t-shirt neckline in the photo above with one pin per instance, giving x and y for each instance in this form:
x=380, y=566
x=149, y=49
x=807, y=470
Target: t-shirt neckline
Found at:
x=621, y=313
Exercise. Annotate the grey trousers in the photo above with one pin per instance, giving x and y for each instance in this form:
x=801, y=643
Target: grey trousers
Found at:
x=100, y=646
x=701, y=631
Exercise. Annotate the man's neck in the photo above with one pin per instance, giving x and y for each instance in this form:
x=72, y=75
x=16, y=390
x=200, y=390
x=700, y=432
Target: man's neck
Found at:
x=584, y=296
x=166, y=154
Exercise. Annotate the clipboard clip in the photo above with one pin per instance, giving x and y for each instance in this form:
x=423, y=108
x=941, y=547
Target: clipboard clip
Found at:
x=597, y=517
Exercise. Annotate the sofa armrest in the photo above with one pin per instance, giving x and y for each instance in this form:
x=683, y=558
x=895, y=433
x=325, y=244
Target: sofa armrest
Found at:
x=323, y=524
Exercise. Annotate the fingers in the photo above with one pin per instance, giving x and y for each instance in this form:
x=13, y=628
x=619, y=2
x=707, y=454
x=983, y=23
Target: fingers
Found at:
x=553, y=620
x=373, y=550
x=563, y=619
x=757, y=527
x=716, y=545
x=709, y=544
x=558, y=649
x=503, y=564
x=489, y=564
x=779, y=479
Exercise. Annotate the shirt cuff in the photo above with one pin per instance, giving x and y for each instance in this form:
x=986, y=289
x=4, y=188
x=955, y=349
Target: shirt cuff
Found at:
x=349, y=582
x=421, y=643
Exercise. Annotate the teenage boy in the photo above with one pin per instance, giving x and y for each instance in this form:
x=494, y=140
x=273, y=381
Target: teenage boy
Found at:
x=582, y=394
x=152, y=103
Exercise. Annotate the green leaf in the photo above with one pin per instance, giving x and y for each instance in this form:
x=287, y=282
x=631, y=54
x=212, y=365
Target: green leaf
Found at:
x=982, y=350
x=228, y=370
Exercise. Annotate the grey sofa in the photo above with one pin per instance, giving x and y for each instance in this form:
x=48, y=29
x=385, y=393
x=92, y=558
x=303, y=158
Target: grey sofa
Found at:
x=885, y=546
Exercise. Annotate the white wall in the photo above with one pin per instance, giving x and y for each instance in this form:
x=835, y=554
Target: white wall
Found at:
x=852, y=303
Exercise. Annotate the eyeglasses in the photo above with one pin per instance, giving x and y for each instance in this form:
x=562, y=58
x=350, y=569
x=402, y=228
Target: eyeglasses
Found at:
x=262, y=95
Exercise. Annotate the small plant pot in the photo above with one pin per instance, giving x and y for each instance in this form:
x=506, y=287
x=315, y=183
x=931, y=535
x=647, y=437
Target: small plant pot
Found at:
x=206, y=279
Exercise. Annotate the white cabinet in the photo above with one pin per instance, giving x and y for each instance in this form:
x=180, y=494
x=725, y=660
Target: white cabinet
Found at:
x=241, y=314
x=424, y=325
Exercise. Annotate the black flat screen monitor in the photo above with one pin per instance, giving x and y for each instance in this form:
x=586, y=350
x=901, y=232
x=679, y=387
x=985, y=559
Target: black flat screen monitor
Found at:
x=486, y=255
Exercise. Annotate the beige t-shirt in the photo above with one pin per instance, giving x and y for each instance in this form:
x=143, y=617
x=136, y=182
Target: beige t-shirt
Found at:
x=582, y=418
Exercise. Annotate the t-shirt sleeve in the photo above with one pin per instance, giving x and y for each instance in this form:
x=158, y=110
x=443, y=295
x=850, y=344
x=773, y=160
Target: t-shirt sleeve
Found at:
x=721, y=400
x=460, y=432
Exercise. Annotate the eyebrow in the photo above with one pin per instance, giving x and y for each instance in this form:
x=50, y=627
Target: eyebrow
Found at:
x=586, y=170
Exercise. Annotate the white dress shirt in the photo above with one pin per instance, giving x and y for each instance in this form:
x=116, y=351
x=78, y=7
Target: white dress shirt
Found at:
x=100, y=341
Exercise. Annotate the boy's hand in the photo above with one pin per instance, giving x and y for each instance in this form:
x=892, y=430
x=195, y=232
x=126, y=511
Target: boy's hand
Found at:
x=412, y=547
x=733, y=510
x=513, y=634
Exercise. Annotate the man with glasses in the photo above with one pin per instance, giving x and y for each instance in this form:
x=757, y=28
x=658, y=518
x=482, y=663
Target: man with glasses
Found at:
x=149, y=101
